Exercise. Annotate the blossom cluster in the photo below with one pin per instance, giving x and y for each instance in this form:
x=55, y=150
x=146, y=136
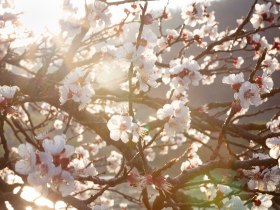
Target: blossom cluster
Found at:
x=122, y=128
x=54, y=164
x=274, y=145
x=157, y=181
x=264, y=13
x=114, y=162
x=193, y=159
x=143, y=57
x=274, y=125
x=222, y=195
x=195, y=14
x=177, y=117
x=146, y=59
x=184, y=73
x=77, y=86
x=248, y=93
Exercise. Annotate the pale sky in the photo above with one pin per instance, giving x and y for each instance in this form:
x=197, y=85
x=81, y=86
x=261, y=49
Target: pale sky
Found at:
x=39, y=14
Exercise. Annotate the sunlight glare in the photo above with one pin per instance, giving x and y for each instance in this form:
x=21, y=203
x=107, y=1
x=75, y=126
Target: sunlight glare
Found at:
x=40, y=15
x=44, y=15
x=30, y=194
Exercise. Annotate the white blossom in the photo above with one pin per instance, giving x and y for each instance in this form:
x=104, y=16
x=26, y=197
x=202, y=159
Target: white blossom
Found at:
x=77, y=86
x=235, y=80
x=27, y=160
x=177, y=115
x=264, y=12
x=8, y=92
x=54, y=146
x=262, y=179
x=98, y=14
x=83, y=168
x=249, y=94
x=274, y=145
x=270, y=64
x=262, y=202
x=43, y=171
x=122, y=128
x=234, y=203
x=274, y=125
x=58, y=124
x=192, y=162
x=265, y=83
x=187, y=72
x=193, y=14
x=126, y=52
x=238, y=62
x=64, y=182
x=150, y=154
x=82, y=153
x=114, y=162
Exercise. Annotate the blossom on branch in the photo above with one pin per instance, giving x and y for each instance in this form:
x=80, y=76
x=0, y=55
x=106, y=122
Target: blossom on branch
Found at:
x=274, y=145
x=77, y=86
x=122, y=128
x=27, y=160
x=177, y=116
x=249, y=94
x=264, y=13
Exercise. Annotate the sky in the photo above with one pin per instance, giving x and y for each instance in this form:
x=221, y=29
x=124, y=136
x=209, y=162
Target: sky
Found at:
x=41, y=14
